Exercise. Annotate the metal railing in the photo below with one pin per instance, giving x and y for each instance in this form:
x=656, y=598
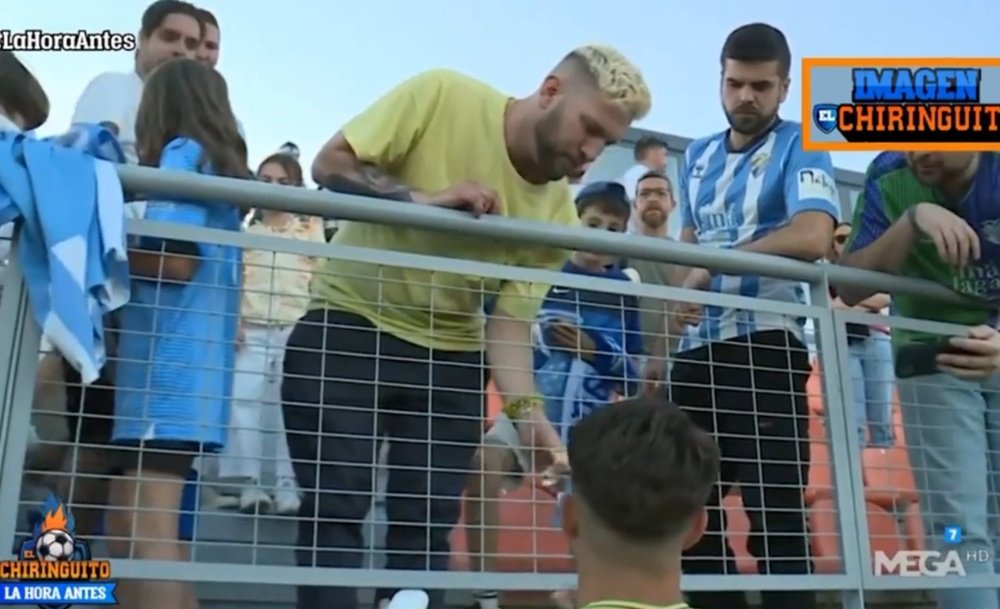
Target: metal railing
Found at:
x=853, y=573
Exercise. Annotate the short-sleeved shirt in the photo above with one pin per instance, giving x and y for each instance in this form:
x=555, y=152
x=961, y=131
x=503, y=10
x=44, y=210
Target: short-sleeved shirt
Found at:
x=276, y=284
x=113, y=97
x=651, y=310
x=890, y=189
x=731, y=198
x=177, y=347
x=432, y=132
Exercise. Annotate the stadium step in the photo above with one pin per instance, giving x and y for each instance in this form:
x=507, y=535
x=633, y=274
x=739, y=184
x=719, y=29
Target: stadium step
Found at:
x=233, y=537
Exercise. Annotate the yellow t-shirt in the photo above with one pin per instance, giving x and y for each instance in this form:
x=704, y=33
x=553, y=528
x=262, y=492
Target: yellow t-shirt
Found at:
x=431, y=132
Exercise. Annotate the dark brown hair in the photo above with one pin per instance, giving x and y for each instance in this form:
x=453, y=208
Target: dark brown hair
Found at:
x=645, y=144
x=657, y=175
x=758, y=42
x=643, y=468
x=207, y=18
x=157, y=12
x=290, y=165
x=185, y=98
x=20, y=92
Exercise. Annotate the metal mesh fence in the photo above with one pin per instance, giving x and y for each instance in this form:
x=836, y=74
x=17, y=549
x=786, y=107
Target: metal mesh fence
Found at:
x=342, y=455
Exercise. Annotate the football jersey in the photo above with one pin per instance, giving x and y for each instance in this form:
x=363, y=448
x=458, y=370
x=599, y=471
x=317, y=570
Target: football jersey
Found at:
x=731, y=198
x=891, y=188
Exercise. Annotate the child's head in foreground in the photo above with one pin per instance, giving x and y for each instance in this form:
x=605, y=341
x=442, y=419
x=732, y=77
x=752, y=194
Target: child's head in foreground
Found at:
x=604, y=206
x=22, y=99
x=642, y=472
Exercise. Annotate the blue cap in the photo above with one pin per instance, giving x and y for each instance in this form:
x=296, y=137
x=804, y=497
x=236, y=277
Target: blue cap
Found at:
x=604, y=189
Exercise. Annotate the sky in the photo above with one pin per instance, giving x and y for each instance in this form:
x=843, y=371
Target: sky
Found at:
x=298, y=69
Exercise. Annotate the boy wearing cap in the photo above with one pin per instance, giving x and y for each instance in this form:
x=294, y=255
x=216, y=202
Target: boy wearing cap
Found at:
x=587, y=344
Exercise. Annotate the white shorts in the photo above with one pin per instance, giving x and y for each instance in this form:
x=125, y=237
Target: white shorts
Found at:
x=504, y=433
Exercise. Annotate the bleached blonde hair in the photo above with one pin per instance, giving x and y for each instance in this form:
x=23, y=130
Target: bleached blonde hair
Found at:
x=615, y=76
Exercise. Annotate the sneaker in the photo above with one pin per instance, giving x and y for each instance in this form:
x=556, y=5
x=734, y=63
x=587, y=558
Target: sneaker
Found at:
x=254, y=501
x=286, y=497
x=485, y=599
x=212, y=499
x=564, y=599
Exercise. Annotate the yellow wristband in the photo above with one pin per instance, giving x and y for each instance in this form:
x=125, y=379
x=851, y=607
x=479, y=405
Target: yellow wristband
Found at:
x=518, y=408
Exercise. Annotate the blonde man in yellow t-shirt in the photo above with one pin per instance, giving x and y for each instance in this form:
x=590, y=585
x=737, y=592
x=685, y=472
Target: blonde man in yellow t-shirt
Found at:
x=642, y=472
x=401, y=351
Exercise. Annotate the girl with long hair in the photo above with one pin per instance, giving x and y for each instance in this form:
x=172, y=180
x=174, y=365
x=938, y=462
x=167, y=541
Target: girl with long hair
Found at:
x=178, y=333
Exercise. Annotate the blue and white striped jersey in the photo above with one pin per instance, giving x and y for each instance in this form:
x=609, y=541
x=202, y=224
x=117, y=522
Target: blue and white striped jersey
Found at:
x=732, y=198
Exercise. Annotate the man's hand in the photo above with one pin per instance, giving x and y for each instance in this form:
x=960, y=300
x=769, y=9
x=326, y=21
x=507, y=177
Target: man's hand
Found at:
x=697, y=279
x=468, y=196
x=554, y=466
x=682, y=315
x=571, y=337
x=653, y=375
x=956, y=242
x=979, y=358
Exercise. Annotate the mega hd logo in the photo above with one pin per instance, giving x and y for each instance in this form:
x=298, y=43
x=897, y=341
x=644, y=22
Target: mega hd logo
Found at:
x=53, y=568
x=900, y=104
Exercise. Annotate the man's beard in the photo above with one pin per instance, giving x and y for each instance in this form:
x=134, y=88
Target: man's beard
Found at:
x=749, y=124
x=653, y=218
x=545, y=136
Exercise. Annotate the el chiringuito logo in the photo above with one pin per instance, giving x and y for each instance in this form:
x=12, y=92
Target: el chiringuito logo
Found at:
x=53, y=568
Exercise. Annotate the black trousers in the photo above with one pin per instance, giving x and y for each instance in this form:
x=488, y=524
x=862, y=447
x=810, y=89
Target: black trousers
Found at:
x=345, y=386
x=750, y=392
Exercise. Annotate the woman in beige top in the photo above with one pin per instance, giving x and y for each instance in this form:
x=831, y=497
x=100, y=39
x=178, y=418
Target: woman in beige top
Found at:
x=275, y=295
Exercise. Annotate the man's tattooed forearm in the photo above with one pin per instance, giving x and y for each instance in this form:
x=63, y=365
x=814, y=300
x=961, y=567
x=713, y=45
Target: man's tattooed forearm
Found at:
x=368, y=181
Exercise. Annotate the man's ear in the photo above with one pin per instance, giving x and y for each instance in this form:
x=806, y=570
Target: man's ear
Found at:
x=552, y=87
x=569, y=516
x=696, y=529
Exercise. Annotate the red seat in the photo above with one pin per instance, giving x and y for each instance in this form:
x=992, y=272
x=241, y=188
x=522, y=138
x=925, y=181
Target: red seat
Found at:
x=913, y=528
x=528, y=541
x=889, y=479
x=882, y=528
x=814, y=389
x=820, y=484
x=738, y=532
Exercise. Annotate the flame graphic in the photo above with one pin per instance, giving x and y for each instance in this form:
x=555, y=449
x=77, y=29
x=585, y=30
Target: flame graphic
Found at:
x=57, y=517
x=55, y=521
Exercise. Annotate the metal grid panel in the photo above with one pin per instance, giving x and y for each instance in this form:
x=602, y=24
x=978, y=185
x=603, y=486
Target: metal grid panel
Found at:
x=263, y=546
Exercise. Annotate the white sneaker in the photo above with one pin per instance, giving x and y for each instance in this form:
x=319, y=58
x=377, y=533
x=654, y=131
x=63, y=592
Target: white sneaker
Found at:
x=254, y=501
x=212, y=499
x=286, y=497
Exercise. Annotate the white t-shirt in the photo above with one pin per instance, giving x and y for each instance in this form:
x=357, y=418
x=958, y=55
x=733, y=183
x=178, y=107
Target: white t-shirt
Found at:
x=113, y=97
x=631, y=179
x=631, y=182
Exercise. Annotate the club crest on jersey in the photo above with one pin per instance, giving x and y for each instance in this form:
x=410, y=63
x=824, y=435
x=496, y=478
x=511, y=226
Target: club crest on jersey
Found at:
x=758, y=163
x=991, y=230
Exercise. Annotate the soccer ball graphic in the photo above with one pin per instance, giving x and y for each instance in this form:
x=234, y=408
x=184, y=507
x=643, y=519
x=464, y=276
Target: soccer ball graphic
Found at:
x=55, y=545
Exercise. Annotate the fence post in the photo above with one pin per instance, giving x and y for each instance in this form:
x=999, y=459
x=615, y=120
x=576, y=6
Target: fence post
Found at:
x=848, y=485
x=19, y=341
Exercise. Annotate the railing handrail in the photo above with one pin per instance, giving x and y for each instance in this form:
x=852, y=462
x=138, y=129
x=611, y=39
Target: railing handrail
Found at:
x=187, y=185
